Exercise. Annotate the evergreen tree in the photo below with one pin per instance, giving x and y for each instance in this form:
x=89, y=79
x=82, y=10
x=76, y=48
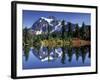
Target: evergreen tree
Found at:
x=25, y=35
x=82, y=31
x=63, y=29
x=77, y=31
x=69, y=30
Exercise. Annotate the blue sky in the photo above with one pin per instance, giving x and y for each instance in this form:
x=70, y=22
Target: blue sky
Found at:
x=30, y=16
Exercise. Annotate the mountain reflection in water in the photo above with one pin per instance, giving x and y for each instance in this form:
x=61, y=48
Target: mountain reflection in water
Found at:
x=53, y=57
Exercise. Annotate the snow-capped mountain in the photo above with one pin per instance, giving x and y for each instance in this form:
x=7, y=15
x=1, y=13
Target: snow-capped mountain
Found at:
x=55, y=25
x=43, y=23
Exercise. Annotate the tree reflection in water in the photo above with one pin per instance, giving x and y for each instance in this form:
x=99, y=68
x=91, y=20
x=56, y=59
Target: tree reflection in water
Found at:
x=53, y=53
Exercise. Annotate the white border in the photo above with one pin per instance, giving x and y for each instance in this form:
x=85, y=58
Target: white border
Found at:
x=36, y=72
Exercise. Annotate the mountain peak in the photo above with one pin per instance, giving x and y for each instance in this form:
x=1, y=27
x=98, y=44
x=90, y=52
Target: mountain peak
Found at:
x=42, y=24
x=47, y=19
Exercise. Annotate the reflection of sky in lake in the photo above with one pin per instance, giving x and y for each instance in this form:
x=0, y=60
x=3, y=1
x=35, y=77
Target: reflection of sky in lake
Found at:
x=34, y=62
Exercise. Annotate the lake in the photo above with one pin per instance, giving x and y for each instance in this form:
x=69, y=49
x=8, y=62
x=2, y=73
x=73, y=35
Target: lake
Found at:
x=56, y=57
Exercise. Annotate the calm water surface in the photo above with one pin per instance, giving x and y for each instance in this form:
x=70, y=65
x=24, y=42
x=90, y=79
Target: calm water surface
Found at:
x=44, y=57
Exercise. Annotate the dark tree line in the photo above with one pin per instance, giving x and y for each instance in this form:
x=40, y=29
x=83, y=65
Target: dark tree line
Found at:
x=82, y=32
x=67, y=32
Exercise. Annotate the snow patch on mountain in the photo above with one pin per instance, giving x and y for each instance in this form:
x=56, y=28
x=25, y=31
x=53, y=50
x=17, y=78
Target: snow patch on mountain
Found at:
x=38, y=32
x=57, y=27
x=43, y=23
x=47, y=19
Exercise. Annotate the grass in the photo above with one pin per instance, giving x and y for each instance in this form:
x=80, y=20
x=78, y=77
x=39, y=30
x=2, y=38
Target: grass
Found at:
x=62, y=42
